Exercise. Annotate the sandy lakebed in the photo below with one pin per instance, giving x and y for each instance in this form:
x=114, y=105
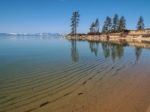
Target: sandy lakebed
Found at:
x=60, y=75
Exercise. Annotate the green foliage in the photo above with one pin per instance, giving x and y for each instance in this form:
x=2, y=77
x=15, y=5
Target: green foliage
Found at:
x=122, y=24
x=74, y=22
x=97, y=25
x=110, y=25
x=107, y=25
x=94, y=28
x=115, y=26
x=140, y=24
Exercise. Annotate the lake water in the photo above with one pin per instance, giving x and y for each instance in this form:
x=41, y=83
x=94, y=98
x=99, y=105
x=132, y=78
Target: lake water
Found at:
x=58, y=75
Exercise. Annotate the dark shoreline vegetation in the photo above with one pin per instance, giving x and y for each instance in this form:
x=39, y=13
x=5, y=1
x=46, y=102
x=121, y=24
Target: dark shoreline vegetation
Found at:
x=111, y=25
x=114, y=30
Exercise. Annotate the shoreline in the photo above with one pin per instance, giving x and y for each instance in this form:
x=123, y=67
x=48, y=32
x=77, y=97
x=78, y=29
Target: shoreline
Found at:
x=117, y=38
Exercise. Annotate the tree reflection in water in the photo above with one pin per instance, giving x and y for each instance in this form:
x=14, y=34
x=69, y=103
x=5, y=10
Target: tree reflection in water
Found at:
x=138, y=52
x=113, y=50
x=106, y=49
x=94, y=47
x=110, y=50
x=74, y=51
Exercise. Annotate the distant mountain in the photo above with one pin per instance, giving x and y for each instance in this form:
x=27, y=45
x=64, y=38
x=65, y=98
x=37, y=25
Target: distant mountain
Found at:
x=54, y=35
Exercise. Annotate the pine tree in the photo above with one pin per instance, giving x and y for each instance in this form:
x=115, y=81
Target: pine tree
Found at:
x=122, y=24
x=107, y=25
x=74, y=22
x=97, y=26
x=115, y=26
x=92, y=28
x=140, y=24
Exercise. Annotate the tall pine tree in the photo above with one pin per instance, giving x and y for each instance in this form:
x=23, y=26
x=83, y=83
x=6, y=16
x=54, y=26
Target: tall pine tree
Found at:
x=115, y=26
x=74, y=22
x=140, y=24
x=97, y=26
x=107, y=25
x=94, y=28
x=122, y=24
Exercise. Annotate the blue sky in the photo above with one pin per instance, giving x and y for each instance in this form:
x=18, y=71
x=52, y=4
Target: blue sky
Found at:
x=21, y=16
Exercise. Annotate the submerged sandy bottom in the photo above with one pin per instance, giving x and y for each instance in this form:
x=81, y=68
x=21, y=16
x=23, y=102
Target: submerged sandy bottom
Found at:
x=96, y=86
x=129, y=92
x=39, y=77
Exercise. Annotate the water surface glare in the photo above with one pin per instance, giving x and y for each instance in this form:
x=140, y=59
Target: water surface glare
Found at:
x=58, y=75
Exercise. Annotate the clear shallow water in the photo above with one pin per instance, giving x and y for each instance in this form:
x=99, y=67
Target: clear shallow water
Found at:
x=45, y=74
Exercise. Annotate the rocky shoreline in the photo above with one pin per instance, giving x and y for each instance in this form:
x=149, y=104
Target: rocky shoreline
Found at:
x=133, y=40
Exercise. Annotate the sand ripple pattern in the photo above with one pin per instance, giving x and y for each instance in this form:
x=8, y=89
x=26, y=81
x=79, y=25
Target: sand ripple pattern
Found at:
x=41, y=88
